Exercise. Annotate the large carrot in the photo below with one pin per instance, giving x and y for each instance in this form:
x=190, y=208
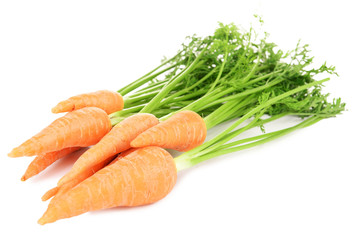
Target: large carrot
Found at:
x=83, y=127
x=44, y=160
x=70, y=184
x=107, y=100
x=116, y=141
x=183, y=131
x=142, y=177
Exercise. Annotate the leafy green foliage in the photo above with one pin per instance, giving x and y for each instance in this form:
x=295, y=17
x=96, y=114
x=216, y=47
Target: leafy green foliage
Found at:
x=241, y=65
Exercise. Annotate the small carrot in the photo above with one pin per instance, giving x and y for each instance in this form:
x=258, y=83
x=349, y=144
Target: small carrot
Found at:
x=107, y=100
x=142, y=177
x=83, y=127
x=50, y=193
x=116, y=141
x=56, y=191
x=44, y=160
x=183, y=131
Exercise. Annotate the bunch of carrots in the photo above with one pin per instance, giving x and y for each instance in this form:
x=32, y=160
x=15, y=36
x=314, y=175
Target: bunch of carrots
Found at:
x=230, y=75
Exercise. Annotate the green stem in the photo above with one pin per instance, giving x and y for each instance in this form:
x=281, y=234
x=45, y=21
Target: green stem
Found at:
x=246, y=92
x=225, y=112
x=265, y=135
x=192, y=106
x=221, y=69
x=150, y=88
x=187, y=96
x=231, y=136
x=146, y=78
x=251, y=113
x=186, y=90
x=253, y=70
x=168, y=87
x=130, y=100
x=125, y=111
x=265, y=76
x=187, y=162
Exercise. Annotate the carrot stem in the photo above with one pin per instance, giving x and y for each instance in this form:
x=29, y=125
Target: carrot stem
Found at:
x=168, y=87
x=251, y=142
x=149, y=88
x=146, y=78
x=261, y=107
x=187, y=90
x=225, y=136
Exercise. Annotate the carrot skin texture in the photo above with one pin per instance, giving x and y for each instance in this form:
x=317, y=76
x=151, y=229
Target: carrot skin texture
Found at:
x=182, y=132
x=116, y=141
x=122, y=155
x=56, y=191
x=42, y=161
x=68, y=185
x=82, y=128
x=142, y=177
x=107, y=100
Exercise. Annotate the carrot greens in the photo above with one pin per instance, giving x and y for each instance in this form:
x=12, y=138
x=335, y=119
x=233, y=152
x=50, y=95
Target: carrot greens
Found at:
x=234, y=74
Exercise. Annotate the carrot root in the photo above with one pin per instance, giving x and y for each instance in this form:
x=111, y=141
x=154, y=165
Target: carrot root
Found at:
x=182, y=132
x=116, y=141
x=107, y=100
x=83, y=127
x=42, y=161
x=49, y=194
x=59, y=190
x=142, y=177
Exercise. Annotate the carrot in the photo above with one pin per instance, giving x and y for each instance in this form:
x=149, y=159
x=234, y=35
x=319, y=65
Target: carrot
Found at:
x=50, y=193
x=44, y=160
x=68, y=185
x=58, y=190
x=183, y=131
x=83, y=127
x=107, y=100
x=116, y=141
x=122, y=155
x=142, y=177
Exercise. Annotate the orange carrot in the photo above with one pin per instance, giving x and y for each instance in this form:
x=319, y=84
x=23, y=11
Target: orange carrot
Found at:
x=183, y=131
x=123, y=154
x=70, y=184
x=50, y=193
x=44, y=160
x=116, y=141
x=107, y=100
x=142, y=177
x=83, y=127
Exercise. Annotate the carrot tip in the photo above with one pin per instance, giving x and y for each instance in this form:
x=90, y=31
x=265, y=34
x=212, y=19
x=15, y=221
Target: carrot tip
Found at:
x=41, y=221
x=48, y=217
x=64, y=106
x=14, y=153
x=49, y=194
x=24, y=178
x=55, y=110
x=20, y=151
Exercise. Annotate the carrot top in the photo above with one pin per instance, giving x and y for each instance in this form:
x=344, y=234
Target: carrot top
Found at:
x=313, y=105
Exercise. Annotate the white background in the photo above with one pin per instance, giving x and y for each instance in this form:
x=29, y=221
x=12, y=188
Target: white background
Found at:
x=302, y=186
